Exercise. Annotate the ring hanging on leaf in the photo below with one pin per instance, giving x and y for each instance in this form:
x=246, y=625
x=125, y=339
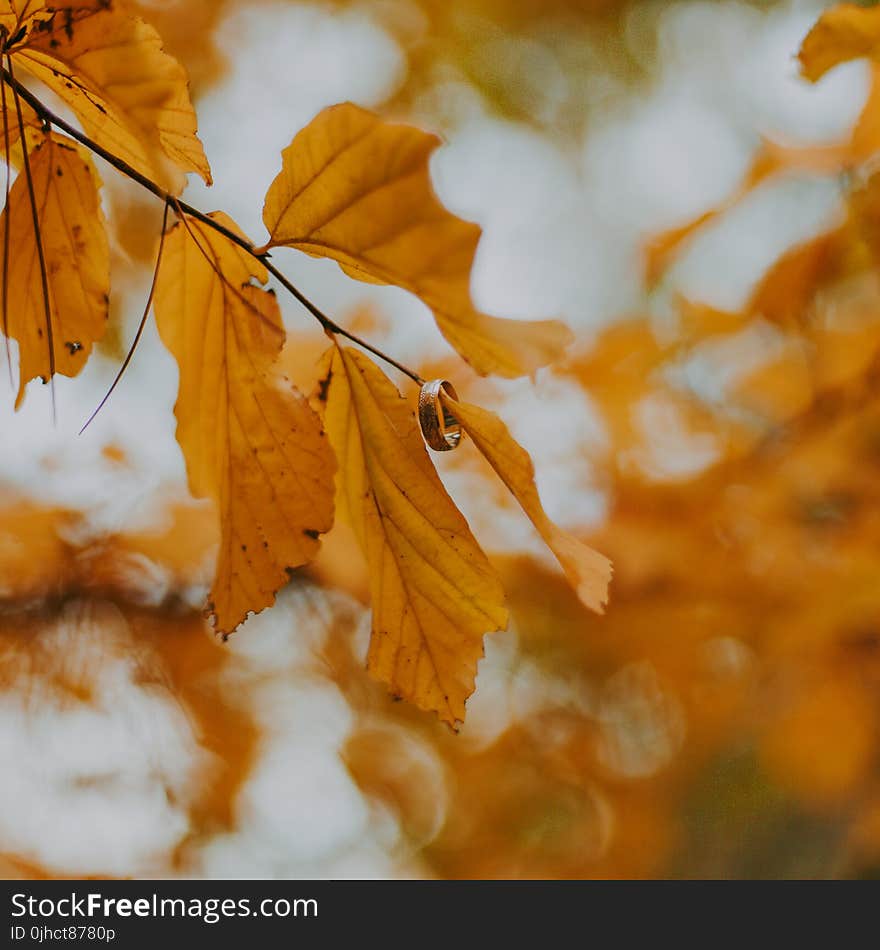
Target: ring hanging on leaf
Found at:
x=440, y=428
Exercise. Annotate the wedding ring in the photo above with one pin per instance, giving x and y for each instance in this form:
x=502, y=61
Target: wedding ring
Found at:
x=440, y=428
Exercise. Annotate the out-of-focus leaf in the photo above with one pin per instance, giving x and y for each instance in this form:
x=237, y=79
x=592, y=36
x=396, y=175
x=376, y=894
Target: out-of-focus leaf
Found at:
x=111, y=69
x=662, y=249
x=842, y=33
x=783, y=294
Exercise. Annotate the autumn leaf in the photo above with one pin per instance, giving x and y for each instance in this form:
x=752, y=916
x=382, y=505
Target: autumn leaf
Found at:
x=842, y=33
x=434, y=592
x=588, y=571
x=131, y=97
x=77, y=263
x=13, y=11
x=358, y=190
x=663, y=249
x=251, y=441
x=10, y=130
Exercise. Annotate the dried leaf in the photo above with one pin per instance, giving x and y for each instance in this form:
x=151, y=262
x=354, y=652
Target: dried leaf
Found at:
x=110, y=68
x=358, y=190
x=251, y=441
x=434, y=592
x=588, y=572
x=77, y=262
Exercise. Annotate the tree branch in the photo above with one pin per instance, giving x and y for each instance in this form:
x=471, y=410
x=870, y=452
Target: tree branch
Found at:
x=329, y=326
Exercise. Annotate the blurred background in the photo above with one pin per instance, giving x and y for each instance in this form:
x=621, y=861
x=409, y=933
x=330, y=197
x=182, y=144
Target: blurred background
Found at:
x=658, y=175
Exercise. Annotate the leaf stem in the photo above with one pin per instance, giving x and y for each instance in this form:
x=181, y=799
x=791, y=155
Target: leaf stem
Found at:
x=141, y=325
x=329, y=326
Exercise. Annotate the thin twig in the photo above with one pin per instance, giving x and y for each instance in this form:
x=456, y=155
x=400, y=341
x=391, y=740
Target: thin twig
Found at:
x=328, y=324
x=124, y=168
x=38, y=235
x=141, y=325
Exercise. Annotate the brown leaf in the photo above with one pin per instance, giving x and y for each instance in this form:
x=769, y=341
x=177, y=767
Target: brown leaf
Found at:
x=77, y=260
x=358, y=190
x=588, y=572
x=250, y=440
x=434, y=592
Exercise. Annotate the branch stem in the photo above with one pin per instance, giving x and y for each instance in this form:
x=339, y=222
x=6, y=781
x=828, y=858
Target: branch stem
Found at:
x=329, y=326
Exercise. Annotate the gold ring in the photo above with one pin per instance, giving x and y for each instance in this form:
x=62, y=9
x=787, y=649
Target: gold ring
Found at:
x=440, y=428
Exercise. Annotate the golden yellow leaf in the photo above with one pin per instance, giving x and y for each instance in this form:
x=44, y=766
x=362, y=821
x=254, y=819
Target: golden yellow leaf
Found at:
x=842, y=33
x=358, y=190
x=9, y=129
x=12, y=12
x=434, y=593
x=77, y=263
x=131, y=97
x=10, y=132
x=588, y=571
x=251, y=441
